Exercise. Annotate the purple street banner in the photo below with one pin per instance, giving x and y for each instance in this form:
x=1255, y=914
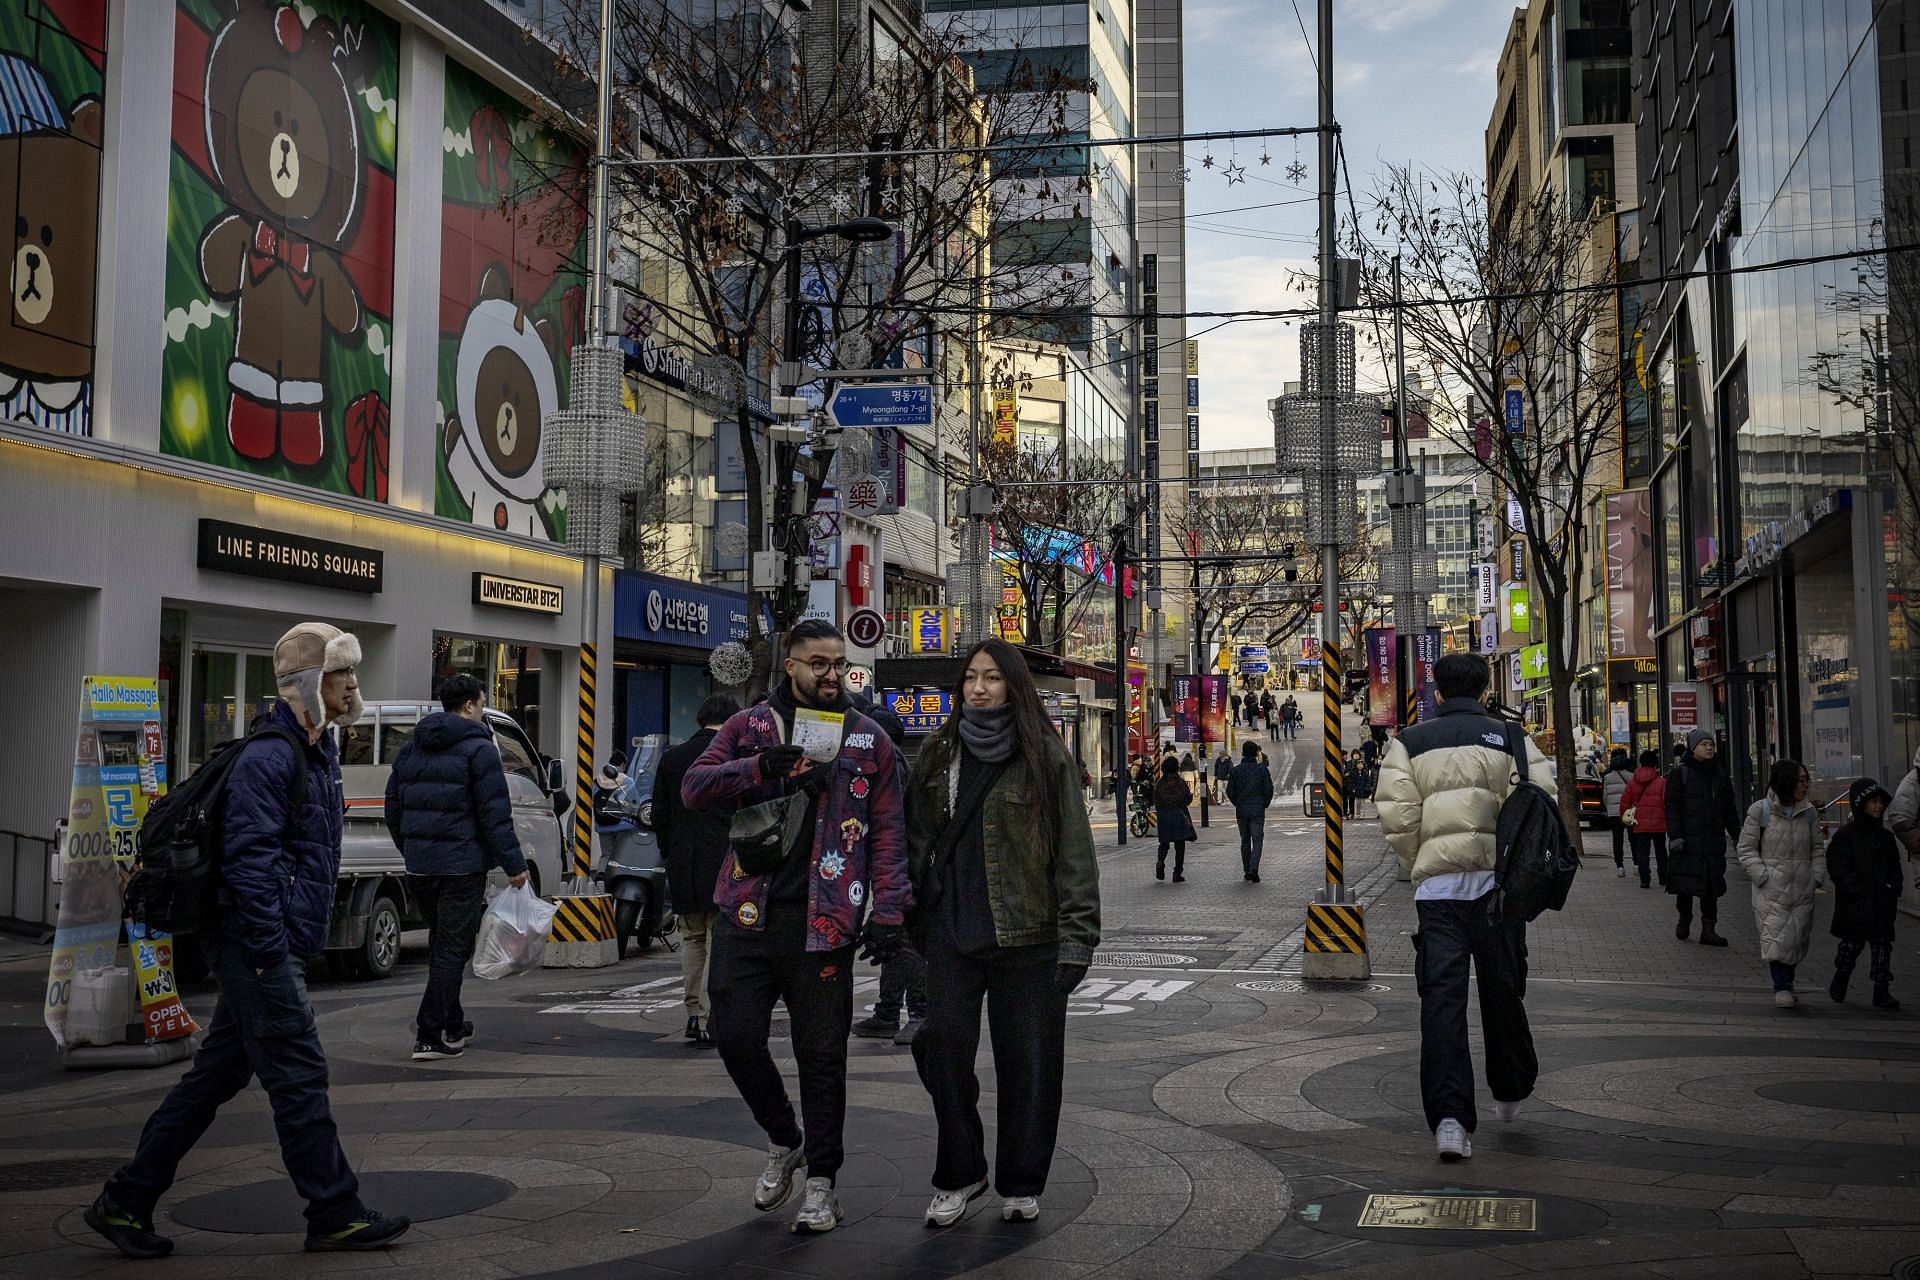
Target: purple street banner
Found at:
x=1382, y=650
x=1186, y=709
x=1426, y=652
x=1213, y=709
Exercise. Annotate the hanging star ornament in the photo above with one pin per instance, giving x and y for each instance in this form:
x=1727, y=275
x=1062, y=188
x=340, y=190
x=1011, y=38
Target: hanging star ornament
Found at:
x=1235, y=172
x=1265, y=159
x=1296, y=172
x=683, y=204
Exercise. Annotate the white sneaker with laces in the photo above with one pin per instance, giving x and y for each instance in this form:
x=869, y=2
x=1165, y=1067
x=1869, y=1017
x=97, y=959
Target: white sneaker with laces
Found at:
x=948, y=1207
x=1785, y=999
x=776, y=1183
x=1507, y=1111
x=1451, y=1141
x=1620, y=871
x=819, y=1208
x=1020, y=1208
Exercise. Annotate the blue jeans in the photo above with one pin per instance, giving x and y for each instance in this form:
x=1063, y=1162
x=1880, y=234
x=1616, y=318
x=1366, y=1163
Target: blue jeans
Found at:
x=262, y=1026
x=1782, y=975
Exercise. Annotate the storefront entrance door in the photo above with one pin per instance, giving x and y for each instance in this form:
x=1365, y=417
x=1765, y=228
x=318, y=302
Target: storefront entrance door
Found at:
x=226, y=690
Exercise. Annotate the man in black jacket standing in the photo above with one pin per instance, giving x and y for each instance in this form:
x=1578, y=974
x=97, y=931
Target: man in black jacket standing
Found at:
x=1250, y=790
x=1702, y=824
x=692, y=845
x=449, y=812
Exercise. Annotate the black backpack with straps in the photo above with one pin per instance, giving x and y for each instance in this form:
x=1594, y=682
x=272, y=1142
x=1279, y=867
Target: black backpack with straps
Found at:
x=176, y=881
x=1536, y=860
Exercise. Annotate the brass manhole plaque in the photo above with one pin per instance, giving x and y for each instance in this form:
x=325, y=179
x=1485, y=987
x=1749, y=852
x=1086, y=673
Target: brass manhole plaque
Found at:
x=1450, y=1213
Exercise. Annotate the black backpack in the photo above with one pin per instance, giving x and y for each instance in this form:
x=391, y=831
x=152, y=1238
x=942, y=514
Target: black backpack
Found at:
x=176, y=879
x=1536, y=860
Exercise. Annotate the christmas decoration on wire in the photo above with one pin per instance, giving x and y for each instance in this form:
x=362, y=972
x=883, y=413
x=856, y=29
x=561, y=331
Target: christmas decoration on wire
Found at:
x=731, y=664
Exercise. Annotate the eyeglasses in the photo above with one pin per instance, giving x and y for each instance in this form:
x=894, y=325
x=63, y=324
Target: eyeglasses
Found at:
x=821, y=666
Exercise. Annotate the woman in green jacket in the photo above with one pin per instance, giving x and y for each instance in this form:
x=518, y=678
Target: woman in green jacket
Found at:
x=1008, y=912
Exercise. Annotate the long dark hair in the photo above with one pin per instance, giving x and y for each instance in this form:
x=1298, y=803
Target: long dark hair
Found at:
x=1034, y=734
x=1783, y=778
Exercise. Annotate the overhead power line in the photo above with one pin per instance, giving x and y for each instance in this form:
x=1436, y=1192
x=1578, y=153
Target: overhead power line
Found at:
x=986, y=148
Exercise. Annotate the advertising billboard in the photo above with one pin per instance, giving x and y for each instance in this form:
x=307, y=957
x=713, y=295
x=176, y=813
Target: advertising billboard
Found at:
x=1382, y=650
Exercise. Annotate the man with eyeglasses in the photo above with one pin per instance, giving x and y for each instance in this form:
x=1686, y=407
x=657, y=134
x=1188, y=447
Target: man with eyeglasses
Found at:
x=787, y=934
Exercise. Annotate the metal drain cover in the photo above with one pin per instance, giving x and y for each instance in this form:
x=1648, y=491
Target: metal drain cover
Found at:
x=45, y=1175
x=1163, y=939
x=1139, y=960
x=1296, y=988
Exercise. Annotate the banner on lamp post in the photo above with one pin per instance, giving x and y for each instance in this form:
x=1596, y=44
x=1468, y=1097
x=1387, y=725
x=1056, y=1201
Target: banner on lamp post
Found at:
x=1382, y=652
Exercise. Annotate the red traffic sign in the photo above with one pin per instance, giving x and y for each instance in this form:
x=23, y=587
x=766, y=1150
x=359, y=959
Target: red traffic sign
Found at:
x=865, y=629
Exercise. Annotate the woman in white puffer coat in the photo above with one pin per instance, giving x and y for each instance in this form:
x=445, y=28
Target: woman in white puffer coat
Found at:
x=1781, y=852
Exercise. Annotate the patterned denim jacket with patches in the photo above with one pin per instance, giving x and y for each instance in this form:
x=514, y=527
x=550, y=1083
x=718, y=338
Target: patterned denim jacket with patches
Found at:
x=859, y=837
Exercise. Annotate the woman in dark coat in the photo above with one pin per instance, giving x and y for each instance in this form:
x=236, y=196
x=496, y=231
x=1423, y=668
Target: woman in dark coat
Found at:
x=1171, y=796
x=1863, y=862
x=1702, y=824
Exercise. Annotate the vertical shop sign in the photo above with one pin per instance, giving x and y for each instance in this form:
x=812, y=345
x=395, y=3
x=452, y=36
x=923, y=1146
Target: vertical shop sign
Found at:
x=1382, y=650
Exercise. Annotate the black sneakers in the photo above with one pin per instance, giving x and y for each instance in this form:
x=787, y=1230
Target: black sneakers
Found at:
x=438, y=1047
x=458, y=1040
x=374, y=1231
x=130, y=1235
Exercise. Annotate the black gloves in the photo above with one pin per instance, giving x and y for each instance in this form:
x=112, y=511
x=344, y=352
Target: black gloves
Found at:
x=779, y=761
x=1068, y=976
x=880, y=943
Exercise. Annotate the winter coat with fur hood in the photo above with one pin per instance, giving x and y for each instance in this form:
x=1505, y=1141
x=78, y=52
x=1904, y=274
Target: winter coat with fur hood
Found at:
x=1780, y=850
x=1441, y=787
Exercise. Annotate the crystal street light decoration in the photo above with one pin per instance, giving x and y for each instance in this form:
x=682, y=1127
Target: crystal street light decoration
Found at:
x=595, y=451
x=1328, y=486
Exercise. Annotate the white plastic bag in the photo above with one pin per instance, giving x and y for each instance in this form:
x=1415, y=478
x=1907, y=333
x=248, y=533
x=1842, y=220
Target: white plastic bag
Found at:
x=97, y=1013
x=513, y=934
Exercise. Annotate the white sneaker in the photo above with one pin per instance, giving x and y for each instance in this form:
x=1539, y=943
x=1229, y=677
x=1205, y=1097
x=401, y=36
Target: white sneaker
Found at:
x=819, y=1208
x=1507, y=1111
x=1451, y=1141
x=1620, y=871
x=1785, y=999
x=776, y=1184
x=1020, y=1208
x=948, y=1207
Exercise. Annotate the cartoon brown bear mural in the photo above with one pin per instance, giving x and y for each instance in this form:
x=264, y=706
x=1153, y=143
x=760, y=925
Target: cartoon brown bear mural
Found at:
x=50, y=179
x=505, y=386
x=285, y=151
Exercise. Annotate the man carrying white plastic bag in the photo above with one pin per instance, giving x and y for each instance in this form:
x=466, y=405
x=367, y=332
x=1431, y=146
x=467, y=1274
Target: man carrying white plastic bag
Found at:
x=513, y=933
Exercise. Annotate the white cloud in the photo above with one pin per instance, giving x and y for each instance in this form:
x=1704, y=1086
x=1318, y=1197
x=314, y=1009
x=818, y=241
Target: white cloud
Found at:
x=1210, y=21
x=1391, y=15
x=1244, y=364
x=1285, y=53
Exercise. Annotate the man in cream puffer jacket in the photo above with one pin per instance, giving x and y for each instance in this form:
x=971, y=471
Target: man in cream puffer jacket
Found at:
x=1441, y=787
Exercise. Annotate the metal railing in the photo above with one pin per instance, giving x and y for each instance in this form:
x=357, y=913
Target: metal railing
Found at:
x=27, y=896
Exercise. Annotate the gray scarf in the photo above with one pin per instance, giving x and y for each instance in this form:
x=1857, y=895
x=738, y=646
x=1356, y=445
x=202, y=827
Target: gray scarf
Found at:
x=988, y=731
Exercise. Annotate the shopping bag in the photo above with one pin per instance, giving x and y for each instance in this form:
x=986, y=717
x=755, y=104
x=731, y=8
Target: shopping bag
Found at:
x=513, y=934
x=98, y=1011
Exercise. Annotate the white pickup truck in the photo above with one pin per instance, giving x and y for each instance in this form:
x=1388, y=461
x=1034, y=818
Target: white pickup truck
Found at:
x=371, y=904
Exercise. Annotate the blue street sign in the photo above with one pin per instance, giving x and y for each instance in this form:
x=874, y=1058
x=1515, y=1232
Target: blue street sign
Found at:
x=883, y=404
x=1516, y=412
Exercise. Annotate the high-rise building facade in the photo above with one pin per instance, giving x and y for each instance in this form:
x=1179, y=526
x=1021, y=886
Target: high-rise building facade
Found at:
x=1778, y=331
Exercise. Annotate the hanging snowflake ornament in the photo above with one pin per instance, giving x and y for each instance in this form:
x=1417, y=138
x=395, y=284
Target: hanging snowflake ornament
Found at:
x=1235, y=172
x=839, y=202
x=1296, y=173
x=734, y=203
x=1206, y=161
x=1184, y=174
x=731, y=664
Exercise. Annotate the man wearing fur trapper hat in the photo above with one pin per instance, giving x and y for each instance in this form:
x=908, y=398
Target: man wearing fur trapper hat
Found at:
x=280, y=821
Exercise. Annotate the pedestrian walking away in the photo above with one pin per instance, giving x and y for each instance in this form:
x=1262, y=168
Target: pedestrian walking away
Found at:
x=1009, y=915
x=1863, y=860
x=1613, y=793
x=278, y=858
x=1702, y=821
x=829, y=844
x=1222, y=770
x=1442, y=785
x=1171, y=796
x=1643, y=811
x=451, y=817
x=903, y=978
x=1780, y=850
x=692, y=848
x=1250, y=791
x=1290, y=717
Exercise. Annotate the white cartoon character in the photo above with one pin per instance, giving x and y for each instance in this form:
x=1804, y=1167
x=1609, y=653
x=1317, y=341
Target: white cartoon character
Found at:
x=504, y=387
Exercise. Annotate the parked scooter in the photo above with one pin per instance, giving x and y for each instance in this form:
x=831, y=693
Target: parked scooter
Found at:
x=630, y=868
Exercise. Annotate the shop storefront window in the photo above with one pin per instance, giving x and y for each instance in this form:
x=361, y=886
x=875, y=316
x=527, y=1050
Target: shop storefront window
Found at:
x=510, y=673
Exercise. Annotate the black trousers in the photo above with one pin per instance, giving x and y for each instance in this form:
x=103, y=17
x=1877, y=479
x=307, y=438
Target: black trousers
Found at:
x=1027, y=1020
x=1253, y=839
x=1653, y=843
x=1709, y=908
x=1452, y=937
x=452, y=906
x=1179, y=855
x=1879, y=965
x=747, y=974
x=1619, y=843
x=262, y=1026
x=902, y=979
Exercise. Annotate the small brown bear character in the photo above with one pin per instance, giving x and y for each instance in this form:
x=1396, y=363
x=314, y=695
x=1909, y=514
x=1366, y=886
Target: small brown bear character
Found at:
x=285, y=145
x=505, y=385
x=50, y=178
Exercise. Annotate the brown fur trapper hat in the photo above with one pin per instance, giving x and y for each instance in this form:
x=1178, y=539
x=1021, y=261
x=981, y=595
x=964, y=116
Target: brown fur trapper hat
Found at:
x=305, y=654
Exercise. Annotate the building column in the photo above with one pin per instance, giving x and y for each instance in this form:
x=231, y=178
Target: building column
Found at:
x=416, y=280
x=1870, y=646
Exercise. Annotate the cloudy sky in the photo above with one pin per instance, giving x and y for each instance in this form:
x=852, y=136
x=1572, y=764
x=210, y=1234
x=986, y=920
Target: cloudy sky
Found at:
x=1414, y=81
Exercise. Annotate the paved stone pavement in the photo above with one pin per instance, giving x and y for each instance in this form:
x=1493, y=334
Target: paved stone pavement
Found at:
x=1224, y=1118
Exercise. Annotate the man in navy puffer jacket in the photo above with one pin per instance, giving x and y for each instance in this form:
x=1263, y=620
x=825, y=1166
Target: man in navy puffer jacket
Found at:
x=279, y=867
x=448, y=810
